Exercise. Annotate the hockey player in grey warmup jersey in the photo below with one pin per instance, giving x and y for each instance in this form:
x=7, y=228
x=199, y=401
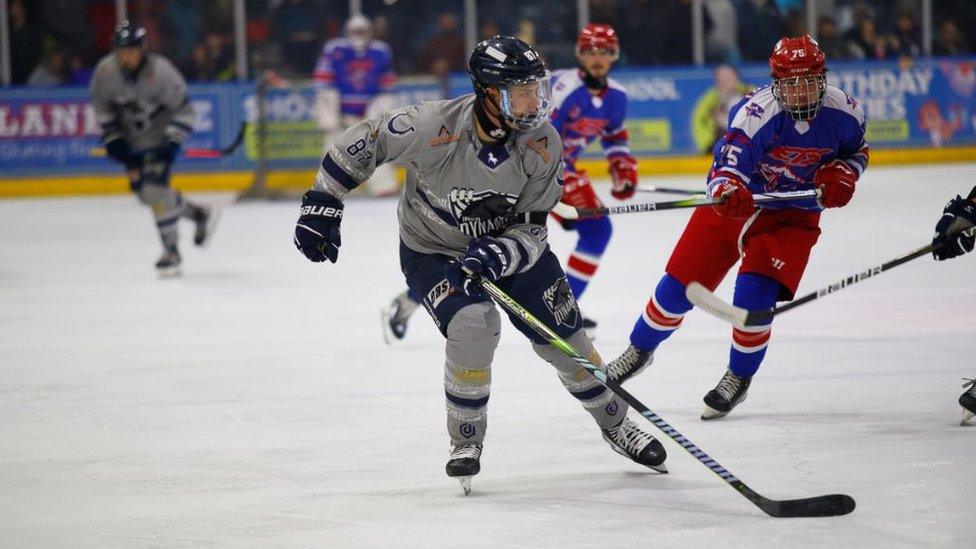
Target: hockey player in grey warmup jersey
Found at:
x=483, y=171
x=141, y=103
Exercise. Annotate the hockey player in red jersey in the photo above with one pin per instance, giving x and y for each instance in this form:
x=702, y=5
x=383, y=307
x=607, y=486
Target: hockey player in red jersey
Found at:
x=797, y=134
x=590, y=105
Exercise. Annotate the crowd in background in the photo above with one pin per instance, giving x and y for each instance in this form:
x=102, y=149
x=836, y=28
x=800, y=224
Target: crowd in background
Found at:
x=58, y=42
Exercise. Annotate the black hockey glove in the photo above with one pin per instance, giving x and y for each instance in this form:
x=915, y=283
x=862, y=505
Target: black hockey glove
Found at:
x=164, y=153
x=959, y=213
x=317, y=232
x=485, y=257
x=118, y=150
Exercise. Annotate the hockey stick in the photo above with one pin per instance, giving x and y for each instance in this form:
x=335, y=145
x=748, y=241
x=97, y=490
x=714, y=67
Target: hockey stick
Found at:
x=821, y=506
x=566, y=211
x=196, y=153
x=667, y=190
x=739, y=317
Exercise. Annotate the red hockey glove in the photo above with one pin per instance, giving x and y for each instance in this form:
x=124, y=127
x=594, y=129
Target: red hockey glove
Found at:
x=738, y=199
x=836, y=181
x=623, y=171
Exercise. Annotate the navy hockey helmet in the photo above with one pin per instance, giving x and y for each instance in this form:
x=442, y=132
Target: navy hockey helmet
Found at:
x=516, y=70
x=129, y=35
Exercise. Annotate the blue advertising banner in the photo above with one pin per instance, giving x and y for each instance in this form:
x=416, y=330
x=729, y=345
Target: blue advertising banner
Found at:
x=50, y=131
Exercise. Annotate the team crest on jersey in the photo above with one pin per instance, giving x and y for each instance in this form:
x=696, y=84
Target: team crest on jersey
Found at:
x=561, y=303
x=482, y=212
x=588, y=127
x=755, y=109
x=574, y=111
x=798, y=156
x=493, y=157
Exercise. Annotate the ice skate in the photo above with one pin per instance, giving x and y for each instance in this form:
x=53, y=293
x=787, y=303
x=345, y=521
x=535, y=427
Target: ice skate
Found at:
x=168, y=265
x=730, y=391
x=968, y=402
x=629, y=364
x=464, y=462
x=205, y=222
x=395, y=317
x=627, y=439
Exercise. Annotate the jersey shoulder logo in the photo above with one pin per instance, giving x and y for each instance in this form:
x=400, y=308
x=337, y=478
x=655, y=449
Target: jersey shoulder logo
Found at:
x=540, y=147
x=755, y=109
x=444, y=136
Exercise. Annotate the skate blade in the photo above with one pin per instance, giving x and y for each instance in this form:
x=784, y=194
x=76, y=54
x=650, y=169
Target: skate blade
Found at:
x=967, y=418
x=388, y=335
x=169, y=272
x=662, y=468
x=711, y=413
x=211, y=225
x=465, y=484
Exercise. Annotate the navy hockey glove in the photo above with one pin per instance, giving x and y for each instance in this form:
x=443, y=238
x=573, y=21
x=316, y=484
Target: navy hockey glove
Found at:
x=118, y=150
x=317, y=232
x=485, y=257
x=164, y=153
x=959, y=214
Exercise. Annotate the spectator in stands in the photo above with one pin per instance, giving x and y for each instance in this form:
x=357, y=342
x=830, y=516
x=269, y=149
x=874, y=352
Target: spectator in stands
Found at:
x=296, y=27
x=905, y=39
x=720, y=43
x=446, y=44
x=761, y=28
x=80, y=68
x=949, y=40
x=868, y=43
x=52, y=71
x=677, y=35
x=25, y=43
x=710, y=116
x=830, y=41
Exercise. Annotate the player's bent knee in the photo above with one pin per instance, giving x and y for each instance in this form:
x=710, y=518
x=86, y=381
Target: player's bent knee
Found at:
x=151, y=195
x=566, y=365
x=472, y=335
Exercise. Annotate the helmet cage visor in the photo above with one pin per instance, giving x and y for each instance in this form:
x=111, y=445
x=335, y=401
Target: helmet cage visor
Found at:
x=801, y=96
x=526, y=104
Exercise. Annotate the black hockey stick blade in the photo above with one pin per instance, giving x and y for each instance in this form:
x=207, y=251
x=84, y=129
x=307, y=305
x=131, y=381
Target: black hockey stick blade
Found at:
x=834, y=505
x=238, y=139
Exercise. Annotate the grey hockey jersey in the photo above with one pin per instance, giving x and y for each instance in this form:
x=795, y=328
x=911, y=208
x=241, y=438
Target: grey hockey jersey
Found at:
x=457, y=188
x=145, y=111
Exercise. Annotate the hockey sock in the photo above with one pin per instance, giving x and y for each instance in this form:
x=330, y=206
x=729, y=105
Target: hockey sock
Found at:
x=662, y=316
x=752, y=291
x=594, y=235
x=413, y=295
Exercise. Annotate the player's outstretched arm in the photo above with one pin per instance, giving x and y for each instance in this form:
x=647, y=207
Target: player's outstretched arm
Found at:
x=959, y=214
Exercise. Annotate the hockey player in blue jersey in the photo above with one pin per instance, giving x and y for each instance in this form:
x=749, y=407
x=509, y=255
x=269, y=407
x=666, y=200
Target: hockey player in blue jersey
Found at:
x=355, y=81
x=797, y=134
x=590, y=105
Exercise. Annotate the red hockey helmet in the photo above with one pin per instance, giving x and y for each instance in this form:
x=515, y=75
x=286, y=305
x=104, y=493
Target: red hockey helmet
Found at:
x=598, y=36
x=799, y=70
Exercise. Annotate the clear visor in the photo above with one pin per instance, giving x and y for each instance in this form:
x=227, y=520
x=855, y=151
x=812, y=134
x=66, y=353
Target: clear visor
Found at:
x=801, y=96
x=527, y=105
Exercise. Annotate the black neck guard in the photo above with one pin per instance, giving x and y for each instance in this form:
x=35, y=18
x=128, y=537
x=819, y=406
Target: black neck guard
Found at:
x=494, y=131
x=592, y=82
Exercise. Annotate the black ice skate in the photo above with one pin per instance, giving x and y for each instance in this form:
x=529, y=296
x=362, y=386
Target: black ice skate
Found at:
x=464, y=463
x=395, y=316
x=627, y=439
x=968, y=402
x=729, y=392
x=169, y=264
x=629, y=364
x=206, y=221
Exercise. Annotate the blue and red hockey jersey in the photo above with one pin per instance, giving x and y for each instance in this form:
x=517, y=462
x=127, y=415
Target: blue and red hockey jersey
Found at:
x=771, y=152
x=580, y=117
x=358, y=75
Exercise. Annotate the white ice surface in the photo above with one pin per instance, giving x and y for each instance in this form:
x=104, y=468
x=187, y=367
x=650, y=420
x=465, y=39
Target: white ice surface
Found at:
x=253, y=403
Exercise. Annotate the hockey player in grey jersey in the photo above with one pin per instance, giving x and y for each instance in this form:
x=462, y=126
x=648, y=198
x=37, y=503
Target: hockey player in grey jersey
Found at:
x=483, y=171
x=141, y=103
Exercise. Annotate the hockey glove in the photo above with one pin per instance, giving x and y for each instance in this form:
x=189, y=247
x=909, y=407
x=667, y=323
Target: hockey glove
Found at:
x=485, y=257
x=623, y=172
x=317, y=232
x=959, y=214
x=738, y=199
x=118, y=150
x=836, y=181
x=164, y=153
